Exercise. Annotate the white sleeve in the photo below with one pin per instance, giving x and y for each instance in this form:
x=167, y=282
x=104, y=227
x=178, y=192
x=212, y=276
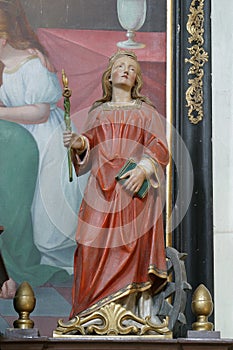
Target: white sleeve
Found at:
x=149, y=165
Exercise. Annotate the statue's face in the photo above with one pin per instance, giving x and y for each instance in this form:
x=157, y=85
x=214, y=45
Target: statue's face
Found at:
x=124, y=72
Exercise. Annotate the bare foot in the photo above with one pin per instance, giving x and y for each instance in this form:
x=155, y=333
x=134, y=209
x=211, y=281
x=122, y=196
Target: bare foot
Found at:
x=8, y=289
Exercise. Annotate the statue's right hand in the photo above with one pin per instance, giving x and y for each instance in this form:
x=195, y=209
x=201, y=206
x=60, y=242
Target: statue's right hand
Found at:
x=67, y=137
x=72, y=140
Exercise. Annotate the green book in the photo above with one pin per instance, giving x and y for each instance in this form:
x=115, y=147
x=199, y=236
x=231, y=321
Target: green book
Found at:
x=129, y=165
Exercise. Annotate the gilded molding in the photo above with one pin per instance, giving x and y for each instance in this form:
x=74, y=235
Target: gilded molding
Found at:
x=112, y=319
x=198, y=57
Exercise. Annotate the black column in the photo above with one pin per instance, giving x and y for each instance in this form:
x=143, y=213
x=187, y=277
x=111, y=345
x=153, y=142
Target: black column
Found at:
x=194, y=235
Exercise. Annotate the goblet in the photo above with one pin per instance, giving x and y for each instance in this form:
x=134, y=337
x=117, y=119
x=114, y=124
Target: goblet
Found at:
x=131, y=15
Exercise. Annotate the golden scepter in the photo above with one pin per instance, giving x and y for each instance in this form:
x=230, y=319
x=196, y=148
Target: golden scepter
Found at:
x=66, y=94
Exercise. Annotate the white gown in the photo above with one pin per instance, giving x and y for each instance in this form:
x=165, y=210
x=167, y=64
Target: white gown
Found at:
x=56, y=199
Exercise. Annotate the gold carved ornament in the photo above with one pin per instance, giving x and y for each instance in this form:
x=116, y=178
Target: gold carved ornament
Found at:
x=110, y=320
x=198, y=57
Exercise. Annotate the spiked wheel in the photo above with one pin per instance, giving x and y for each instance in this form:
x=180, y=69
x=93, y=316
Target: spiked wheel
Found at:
x=171, y=301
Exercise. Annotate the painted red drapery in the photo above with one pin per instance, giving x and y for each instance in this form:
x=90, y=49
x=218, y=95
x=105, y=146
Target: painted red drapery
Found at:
x=120, y=238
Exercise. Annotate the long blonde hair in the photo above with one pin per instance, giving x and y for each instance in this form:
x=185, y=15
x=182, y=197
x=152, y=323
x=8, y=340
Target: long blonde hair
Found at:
x=107, y=85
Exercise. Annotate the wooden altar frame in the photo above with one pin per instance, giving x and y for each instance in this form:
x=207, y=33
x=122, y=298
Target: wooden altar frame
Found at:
x=3, y=273
x=179, y=61
x=189, y=101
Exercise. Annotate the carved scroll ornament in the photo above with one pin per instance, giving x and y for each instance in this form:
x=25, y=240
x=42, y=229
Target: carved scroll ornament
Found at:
x=198, y=57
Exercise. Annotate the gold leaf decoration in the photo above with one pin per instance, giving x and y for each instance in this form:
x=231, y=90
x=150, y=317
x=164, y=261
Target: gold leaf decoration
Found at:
x=198, y=57
x=112, y=320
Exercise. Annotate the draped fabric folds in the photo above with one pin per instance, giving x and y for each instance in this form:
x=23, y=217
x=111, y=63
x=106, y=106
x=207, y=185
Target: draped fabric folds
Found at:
x=19, y=159
x=120, y=237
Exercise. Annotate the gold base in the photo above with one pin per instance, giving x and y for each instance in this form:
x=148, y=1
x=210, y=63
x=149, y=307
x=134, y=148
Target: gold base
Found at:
x=23, y=324
x=112, y=320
